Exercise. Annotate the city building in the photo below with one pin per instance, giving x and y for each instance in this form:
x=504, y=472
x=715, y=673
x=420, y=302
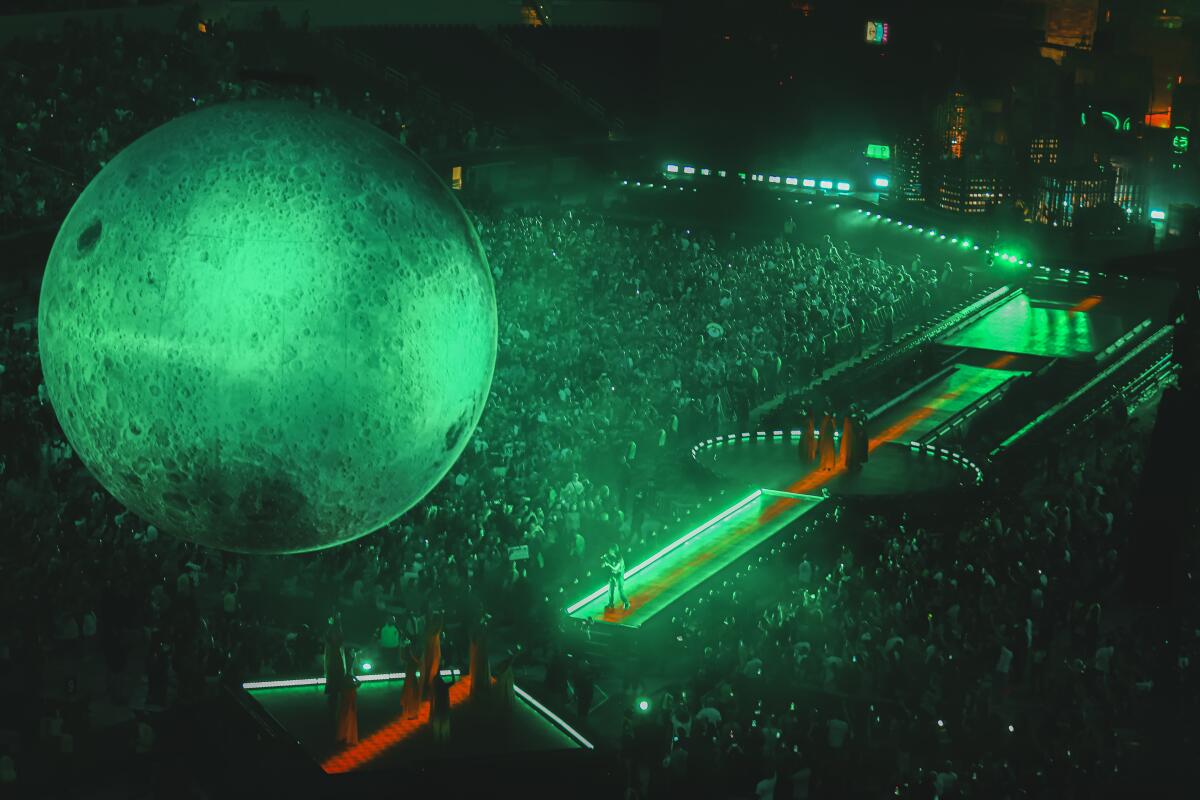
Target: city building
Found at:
x=1062, y=193
x=1043, y=150
x=953, y=122
x=909, y=162
x=967, y=186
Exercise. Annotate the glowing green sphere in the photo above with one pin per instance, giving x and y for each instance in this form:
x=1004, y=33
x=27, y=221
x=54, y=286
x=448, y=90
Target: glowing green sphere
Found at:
x=267, y=328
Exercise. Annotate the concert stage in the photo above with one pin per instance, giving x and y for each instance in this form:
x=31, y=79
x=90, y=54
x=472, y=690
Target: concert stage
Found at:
x=387, y=740
x=788, y=489
x=656, y=583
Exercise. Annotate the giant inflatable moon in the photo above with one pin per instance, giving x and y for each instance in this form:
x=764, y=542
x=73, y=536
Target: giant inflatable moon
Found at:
x=266, y=328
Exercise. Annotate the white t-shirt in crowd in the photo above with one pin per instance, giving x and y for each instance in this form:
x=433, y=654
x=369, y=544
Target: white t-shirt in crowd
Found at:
x=839, y=730
x=945, y=782
x=1005, y=661
x=1103, y=657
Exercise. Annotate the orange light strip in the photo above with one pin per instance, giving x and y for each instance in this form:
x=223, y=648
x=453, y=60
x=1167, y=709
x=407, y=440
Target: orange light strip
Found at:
x=390, y=735
x=816, y=479
x=1086, y=304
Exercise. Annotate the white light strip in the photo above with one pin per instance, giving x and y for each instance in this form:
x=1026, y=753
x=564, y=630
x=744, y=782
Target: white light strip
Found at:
x=555, y=718
x=366, y=678
x=674, y=545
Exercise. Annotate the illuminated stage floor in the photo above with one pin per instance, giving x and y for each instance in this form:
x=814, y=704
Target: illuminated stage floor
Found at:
x=892, y=469
x=772, y=463
x=657, y=583
x=387, y=740
x=1043, y=328
x=944, y=398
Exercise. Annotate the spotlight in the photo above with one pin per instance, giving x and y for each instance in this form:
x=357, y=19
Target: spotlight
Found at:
x=644, y=706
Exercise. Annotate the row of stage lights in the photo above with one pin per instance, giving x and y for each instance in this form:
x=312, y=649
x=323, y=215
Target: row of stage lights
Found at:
x=758, y=436
x=1062, y=275
x=826, y=184
x=1044, y=273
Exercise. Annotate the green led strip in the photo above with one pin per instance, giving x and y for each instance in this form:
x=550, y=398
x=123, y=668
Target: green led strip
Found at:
x=680, y=542
x=1040, y=418
x=1079, y=275
x=555, y=718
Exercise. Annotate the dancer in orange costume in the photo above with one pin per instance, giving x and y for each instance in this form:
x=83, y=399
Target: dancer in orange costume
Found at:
x=433, y=653
x=481, y=675
x=347, y=714
x=410, y=695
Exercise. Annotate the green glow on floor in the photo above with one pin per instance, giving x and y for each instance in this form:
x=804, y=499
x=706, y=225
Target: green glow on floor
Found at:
x=953, y=393
x=673, y=545
x=664, y=578
x=1023, y=326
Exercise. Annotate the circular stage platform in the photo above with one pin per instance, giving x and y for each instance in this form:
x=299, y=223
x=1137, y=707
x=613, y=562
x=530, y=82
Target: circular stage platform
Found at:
x=772, y=461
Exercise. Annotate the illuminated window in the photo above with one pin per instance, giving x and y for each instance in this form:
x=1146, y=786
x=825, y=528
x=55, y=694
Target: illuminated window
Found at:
x=672, y=168
x=456, y=177
x=689, y=170
x=826, y=184
x=810, y=183
x=843, y=186
x=792, y=181
x=773, y=179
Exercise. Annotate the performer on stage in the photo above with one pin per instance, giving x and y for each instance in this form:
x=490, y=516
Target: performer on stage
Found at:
x=439, y=708
x=862, y=448
x=808, y=437
x=335, y=665
x=410, y=695
x=825, y=444
x=506, y=696
x=614, y=565
x=347, y=714
x=432, y=660
x=481, y=671
x=849, y=447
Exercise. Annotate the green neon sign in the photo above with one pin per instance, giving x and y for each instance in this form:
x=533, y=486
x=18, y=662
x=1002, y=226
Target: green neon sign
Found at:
x=880, y=151
x=1111, y=117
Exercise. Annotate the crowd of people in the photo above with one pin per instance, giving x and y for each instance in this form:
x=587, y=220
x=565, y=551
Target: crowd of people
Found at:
x=64, y=118
x=620, y=342
x=581, y=405
x=971, y=655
